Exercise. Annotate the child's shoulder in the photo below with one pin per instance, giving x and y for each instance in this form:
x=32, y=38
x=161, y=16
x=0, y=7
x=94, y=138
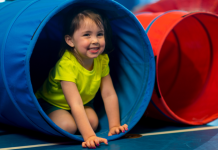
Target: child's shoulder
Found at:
x=103, y=57
x=67, y=55
x=67, y=58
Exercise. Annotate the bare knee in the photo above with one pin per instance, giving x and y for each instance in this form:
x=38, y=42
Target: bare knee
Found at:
x=92, y=116
x=64, y=120
x=68, y=126
x=94, y=123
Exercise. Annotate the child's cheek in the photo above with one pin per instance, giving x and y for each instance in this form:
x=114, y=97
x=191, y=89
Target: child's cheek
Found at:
x=102, y=42
x=86, y=43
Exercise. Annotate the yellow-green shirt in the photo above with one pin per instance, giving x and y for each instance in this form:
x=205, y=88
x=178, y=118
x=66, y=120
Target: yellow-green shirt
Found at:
x=69, y=69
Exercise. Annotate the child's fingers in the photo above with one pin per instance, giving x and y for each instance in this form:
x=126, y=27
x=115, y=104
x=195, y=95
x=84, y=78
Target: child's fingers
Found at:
x=101, y=140
x=117, y=130
x=125, y=126
x=92, y=143
x=113, y=131
x=88, y=144
x=109, y=134
x=84, y=144
x=122, y=129
x=97, y=142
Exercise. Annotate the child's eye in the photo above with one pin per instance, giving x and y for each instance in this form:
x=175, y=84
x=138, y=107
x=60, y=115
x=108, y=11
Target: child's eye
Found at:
x=100, y=34
x=86, y=34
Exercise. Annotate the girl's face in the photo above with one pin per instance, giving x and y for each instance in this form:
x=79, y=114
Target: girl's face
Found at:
x=88, y=41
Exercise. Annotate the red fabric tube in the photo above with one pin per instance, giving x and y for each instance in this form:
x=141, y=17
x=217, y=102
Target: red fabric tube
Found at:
x=186, y=49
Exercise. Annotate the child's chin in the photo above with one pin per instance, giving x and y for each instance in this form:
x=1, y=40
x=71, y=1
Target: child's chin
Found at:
x=94, y=55
x=91, y=56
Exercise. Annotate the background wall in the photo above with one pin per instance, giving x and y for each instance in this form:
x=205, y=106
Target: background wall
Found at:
x=132, y=4
x=129, y=4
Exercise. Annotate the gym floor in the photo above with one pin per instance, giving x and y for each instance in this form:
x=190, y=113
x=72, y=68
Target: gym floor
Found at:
x=148, y=134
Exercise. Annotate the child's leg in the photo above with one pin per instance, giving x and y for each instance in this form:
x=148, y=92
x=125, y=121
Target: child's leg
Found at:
x=92, y=116
x=64, y=120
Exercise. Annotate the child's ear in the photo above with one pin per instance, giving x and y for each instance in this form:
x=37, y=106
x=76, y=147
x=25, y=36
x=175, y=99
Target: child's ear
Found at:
x=68, y=40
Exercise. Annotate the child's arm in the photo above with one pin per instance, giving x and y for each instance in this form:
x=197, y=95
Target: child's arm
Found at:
x=111, y=104
x=74, y=100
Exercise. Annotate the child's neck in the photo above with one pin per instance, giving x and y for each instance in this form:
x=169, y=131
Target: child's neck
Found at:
x=88, y=64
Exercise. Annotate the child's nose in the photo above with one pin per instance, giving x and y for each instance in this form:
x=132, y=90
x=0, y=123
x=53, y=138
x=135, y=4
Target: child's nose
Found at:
x=94, y=40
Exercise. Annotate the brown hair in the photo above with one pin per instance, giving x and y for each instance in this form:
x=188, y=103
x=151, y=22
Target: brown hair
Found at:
x=72, y=23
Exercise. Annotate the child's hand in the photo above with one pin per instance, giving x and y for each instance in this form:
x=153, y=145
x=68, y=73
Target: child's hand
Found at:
x=117, y=130
x=94, y=141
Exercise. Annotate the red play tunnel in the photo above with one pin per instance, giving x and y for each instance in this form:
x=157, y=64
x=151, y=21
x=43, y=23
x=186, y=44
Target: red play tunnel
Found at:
x=186, y=5
x=186, y=49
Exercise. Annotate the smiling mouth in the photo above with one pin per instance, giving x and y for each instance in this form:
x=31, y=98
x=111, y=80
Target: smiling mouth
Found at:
x=93, y=50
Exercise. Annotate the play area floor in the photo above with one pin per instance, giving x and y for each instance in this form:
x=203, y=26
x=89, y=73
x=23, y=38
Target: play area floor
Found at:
x=148, y=134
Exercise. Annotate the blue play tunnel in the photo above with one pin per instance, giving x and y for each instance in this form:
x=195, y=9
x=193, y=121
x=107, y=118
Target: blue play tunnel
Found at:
x=30, y=39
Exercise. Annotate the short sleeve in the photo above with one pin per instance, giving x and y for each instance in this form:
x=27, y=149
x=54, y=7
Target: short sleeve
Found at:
x=105, y=65
x=65, y=71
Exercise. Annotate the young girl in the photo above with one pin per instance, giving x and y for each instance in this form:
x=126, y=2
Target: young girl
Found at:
x=66, y=95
